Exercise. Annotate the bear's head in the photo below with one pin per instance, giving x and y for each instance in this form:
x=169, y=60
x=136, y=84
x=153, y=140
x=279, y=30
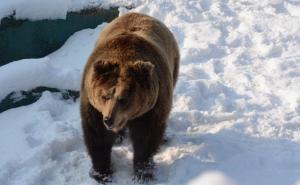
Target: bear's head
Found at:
x=121, y=92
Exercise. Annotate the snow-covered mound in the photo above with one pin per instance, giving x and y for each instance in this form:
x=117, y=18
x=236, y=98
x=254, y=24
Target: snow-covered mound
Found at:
x=61, y=69
x=236, y=112
x=54, y=9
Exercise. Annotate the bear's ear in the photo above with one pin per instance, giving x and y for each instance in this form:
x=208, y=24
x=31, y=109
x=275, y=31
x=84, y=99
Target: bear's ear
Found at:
x=142, y=71
x=102, y=67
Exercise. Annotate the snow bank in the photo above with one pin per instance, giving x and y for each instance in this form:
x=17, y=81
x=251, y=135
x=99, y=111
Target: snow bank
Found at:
x=54, y=9
x=37, y=9
x=30, y=73
x=236, y=111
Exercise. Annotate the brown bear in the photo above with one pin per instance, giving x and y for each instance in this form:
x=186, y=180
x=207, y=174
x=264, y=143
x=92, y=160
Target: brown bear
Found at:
x=128, y=82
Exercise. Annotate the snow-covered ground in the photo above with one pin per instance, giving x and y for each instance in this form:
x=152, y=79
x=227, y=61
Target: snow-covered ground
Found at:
x=236, y=112
x=54, y=9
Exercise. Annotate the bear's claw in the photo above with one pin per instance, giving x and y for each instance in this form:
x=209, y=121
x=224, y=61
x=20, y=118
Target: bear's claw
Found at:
x=143, y=177
x=144, y=173
x=102, y=178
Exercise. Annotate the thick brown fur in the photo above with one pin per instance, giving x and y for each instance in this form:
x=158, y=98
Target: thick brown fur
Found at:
x=128, y=81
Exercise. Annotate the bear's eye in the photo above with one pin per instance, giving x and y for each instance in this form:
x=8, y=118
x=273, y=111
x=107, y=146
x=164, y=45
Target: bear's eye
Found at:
x=105, y=98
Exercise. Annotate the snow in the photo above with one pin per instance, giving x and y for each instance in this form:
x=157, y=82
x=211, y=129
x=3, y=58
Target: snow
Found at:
x=212, y=178
x=54, y=9
x=37, y=9
x=30, y=73
x=236, y=112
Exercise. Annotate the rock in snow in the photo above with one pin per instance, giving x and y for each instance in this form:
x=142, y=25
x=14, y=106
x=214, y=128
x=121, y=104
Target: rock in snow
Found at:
x=236, y=112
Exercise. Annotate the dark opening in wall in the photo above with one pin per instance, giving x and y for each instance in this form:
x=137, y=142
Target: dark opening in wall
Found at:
x=21, y=39
x=21, y=98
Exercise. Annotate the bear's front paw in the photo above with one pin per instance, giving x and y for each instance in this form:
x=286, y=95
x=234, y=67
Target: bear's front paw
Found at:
x=144, y=173
x=143, y=176
x=102, y=178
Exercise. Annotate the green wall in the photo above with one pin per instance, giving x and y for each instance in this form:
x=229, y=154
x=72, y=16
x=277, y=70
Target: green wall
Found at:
x=21, y=39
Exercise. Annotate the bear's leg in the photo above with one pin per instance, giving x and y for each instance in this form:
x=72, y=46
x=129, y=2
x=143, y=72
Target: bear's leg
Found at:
x=99, y=142
x=146, y=137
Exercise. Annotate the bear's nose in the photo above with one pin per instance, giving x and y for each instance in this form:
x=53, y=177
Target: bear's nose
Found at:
x=107, y=121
